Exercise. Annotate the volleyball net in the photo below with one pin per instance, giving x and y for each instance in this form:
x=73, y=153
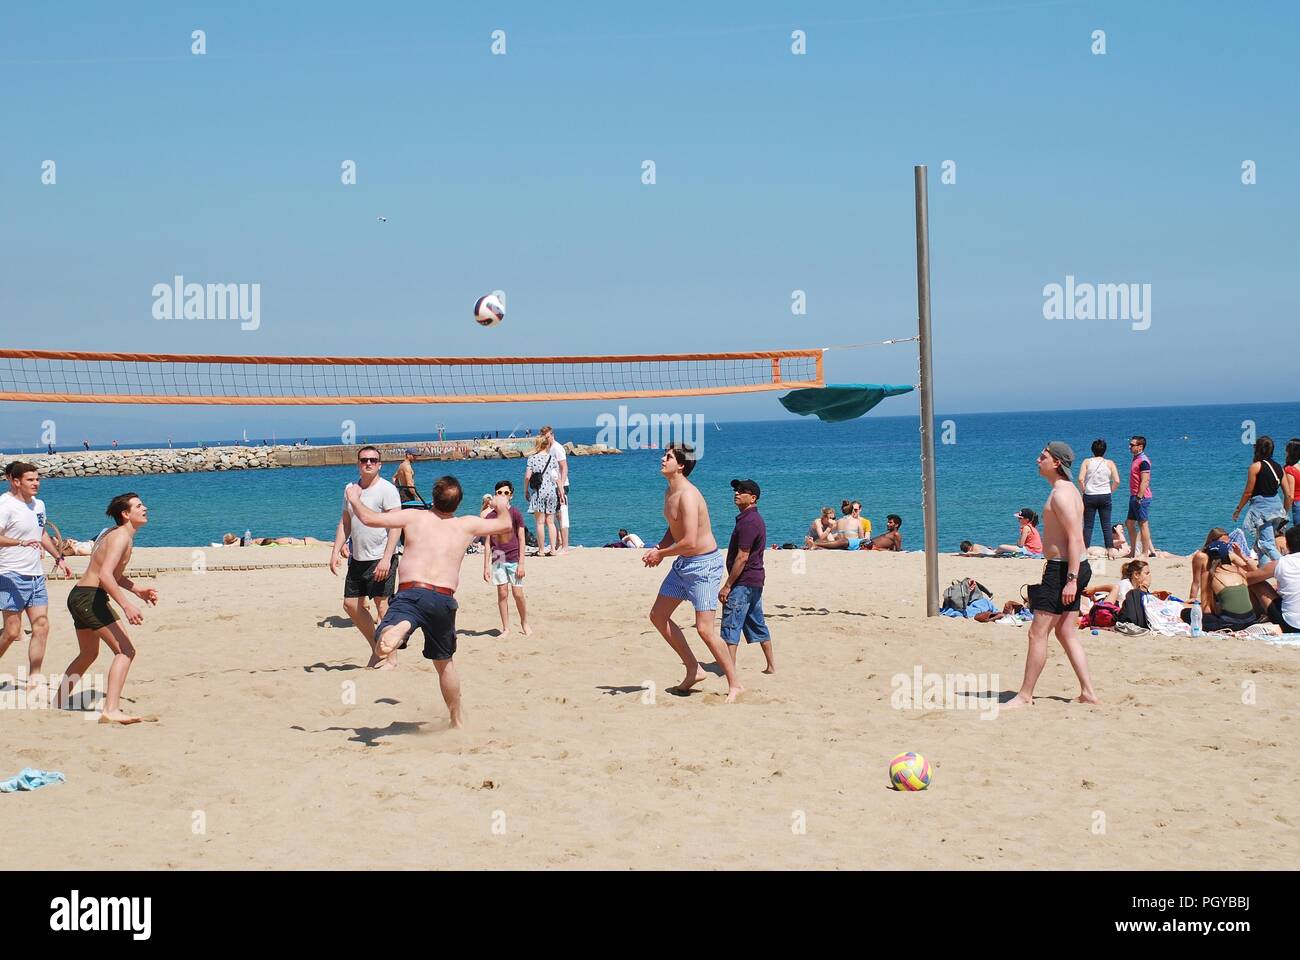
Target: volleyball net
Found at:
x=84, y=377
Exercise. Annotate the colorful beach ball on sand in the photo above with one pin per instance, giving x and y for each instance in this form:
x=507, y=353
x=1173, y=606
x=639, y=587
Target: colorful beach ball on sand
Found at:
x=909, y=771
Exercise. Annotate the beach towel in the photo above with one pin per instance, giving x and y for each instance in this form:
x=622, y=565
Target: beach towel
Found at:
x=1165, y=617
x=840, y=401
x=29, y=779
x=977, y=605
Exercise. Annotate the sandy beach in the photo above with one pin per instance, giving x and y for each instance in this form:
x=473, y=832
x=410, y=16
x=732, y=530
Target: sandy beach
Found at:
x=277, y=749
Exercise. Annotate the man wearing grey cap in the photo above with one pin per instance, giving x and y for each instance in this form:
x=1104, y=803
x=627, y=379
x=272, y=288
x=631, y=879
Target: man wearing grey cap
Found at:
x=404, y=479
x=1055, y=601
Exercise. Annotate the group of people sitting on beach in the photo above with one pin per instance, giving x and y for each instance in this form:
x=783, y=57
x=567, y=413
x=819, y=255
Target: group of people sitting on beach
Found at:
x=852, y=531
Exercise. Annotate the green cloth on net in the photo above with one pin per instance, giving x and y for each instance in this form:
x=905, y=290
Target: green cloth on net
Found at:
x=840, y=401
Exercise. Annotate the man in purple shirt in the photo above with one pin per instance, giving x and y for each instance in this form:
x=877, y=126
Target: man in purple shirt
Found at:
x=503, y=564
x=741, y=595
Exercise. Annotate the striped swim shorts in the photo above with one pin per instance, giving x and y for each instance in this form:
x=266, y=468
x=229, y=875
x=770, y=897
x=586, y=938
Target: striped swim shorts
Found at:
x=697, y=579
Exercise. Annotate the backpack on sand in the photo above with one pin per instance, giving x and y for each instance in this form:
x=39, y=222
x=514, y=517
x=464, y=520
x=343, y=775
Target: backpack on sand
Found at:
x=962, y=593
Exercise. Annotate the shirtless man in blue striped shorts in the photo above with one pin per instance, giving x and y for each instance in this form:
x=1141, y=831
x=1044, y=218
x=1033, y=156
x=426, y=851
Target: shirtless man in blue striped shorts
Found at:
x=696, y=574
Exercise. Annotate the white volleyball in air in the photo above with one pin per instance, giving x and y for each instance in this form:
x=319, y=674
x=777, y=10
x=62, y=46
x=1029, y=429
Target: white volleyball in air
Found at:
x=489, y=310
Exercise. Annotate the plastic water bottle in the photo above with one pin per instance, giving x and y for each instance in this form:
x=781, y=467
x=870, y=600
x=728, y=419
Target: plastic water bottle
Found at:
x=248, y=538
x=1195, y=618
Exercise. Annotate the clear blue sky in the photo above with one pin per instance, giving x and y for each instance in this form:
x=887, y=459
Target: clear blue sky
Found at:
x=775, y=172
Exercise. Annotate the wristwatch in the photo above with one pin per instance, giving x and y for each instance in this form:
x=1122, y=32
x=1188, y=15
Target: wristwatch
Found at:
x=1071, y=577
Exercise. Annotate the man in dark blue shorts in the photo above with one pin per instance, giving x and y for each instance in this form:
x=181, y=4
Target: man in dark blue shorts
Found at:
x=436, y=541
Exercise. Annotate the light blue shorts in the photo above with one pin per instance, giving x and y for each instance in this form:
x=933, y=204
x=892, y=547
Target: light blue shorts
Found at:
x=504, y=572
x=18, y=593
x=697, y=579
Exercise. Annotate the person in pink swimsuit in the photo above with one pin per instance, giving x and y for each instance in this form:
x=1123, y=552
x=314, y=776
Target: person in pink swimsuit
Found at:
x=1029, y=541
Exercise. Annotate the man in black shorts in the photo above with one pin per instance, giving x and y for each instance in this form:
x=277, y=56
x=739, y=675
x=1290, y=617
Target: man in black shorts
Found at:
x=372, y=568
x=1055, y=601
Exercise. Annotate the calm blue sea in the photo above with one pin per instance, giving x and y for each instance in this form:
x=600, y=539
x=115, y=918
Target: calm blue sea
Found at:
x=1198, y=455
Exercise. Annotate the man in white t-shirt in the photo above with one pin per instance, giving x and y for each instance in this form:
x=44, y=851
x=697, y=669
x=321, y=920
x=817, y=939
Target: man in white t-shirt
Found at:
x=1285, y=610
x=560, y=473
x=22, y=578
x=372, y=568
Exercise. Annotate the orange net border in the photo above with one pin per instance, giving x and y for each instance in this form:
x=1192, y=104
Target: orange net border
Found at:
x=682, y=375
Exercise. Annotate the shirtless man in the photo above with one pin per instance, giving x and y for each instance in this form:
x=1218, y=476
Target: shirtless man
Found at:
x=95, y=620
x=436, y=541
x=404, y=479
x=696, y=574
x=1055, y=601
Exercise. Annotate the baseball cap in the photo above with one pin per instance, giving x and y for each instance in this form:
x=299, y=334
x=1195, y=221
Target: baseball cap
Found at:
x=745, y=486
x=1027, y=514
x=1061, y=451
x=1219, y=549
x=412, y=451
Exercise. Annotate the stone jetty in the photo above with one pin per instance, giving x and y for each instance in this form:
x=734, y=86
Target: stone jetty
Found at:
x=122, y=463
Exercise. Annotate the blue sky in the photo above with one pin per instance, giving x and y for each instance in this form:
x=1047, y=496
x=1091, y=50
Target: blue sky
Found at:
x=775, y=172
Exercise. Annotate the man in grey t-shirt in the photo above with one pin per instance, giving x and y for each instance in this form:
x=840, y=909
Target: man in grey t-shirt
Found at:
x=372, y=568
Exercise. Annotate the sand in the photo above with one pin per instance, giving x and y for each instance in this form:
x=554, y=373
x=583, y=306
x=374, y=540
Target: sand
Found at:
x=275, y=748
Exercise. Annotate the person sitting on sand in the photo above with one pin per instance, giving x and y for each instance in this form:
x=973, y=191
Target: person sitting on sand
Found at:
x=821, y=527
x=1120, y=539
x=1285, y=610
x=1228, y=600
x=436, y=541
x=1029, y=543
x=95, y=620
x=891, y=539
x=631, y=540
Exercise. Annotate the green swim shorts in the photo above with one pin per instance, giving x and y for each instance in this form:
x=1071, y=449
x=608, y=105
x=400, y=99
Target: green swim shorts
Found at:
x=90, y=608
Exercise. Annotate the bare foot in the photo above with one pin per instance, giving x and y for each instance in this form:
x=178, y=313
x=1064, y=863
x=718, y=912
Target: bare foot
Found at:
x=117, y=716
x=1087, y=698
x=700, y=675
x=734, y=692
x=505, y=632
x=388, y=663
x=457, y=721
x=770, y=669
x=1016, y=702
x=528, y=631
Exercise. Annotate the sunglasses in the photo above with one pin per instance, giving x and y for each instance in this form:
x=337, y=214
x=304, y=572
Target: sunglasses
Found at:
x=505, y=493
x=367, y=460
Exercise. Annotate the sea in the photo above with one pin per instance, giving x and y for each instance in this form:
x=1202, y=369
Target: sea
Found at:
x=985, y=466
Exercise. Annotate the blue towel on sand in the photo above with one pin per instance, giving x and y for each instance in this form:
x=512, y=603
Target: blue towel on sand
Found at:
x=30, y=779
x=978, y=605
